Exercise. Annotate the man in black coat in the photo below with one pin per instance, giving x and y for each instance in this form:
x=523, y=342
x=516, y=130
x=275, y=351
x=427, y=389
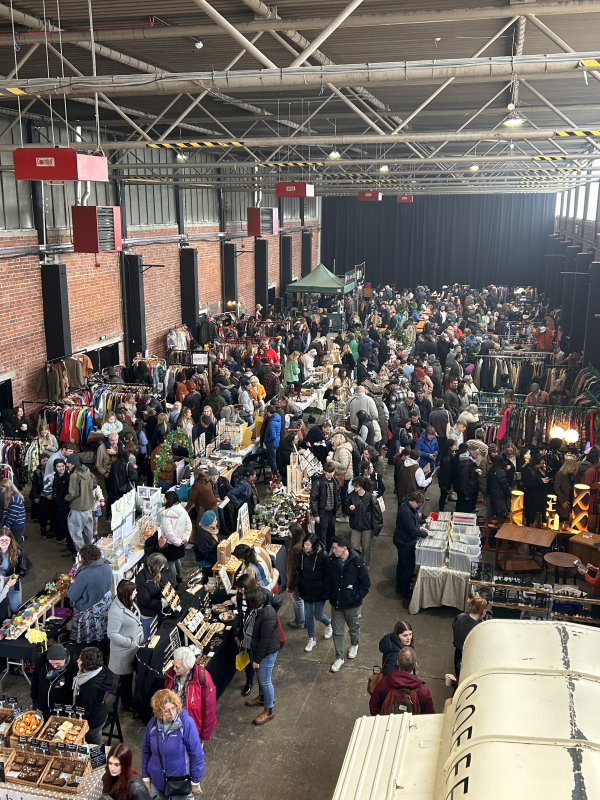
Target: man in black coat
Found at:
x=325, y=503
x=52, y=679
x=316, y=439
x=467, y=479
x=348, y=584
x=406, y=535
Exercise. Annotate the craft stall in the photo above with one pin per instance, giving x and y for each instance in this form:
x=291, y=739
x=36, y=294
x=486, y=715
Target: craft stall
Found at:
x=445, y=561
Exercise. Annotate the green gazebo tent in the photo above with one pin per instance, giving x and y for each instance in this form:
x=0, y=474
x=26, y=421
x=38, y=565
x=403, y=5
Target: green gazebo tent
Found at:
x=319, y=281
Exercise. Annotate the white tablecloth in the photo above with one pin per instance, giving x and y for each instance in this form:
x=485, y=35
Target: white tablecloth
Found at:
x=439, y=586
x=119, y=574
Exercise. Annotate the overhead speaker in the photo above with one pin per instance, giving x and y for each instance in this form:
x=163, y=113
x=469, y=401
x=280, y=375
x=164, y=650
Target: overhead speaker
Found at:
x=188, y=283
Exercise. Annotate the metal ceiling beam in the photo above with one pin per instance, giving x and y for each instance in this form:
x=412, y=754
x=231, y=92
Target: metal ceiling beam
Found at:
x=447, y=83
x=391, y=73
x=556, y=110
x=348, y=139
x=274, y=23
x=29, y=21
x=15, y=70
x=326, y=33
x=234, y=33
x=557, y=40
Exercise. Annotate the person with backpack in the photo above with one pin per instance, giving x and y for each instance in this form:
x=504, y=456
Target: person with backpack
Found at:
x=401, y=691
x=364, y=516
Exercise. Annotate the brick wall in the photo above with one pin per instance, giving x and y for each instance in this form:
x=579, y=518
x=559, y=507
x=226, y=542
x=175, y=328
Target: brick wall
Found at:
x=94, y=287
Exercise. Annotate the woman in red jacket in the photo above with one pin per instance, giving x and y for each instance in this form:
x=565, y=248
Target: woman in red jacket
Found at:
x=196, y=689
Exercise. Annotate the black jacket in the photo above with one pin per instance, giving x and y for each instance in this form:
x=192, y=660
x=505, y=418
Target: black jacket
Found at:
x=390, y=646
x=318, y=495
x=362, y=373
x=312, y=575
x=276, y=600
x=347, y=587
x=367, y=512
x=37, y=483
x=497, y=483
x=60, y=487
x=445, y=473
x=149, y=595
x=45, y=693
x=136, y=790
x=408, y=527
x=205, y=545
x=265, y=635
x=92, y=696
x=283, y=456
x=467, y=478
x=120, y=479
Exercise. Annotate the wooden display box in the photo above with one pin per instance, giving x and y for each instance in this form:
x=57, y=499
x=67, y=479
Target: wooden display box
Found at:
x=46, y=735
x=70, y=789
x=6, y=718
x=12, y=759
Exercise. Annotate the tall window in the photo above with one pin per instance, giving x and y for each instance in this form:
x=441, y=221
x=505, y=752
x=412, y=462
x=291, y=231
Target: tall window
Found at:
x=558, y=205
x=571, y=203
x=580, y=201
x=565, y=202
x=593, y=198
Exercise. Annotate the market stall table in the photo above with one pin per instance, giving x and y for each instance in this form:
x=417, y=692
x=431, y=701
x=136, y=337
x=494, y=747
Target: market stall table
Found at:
x=150, y=661
x=534, y=537
x=118, y=574
x=582, y=547
x=90, y=789
x=561, y=561
x=439, y=586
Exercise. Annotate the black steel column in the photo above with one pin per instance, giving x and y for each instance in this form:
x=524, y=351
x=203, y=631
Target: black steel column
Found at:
x=55, y=302
x=136, y=304
x=261, y=272
x=188, y=285
x=580, y=299
x=591, y=347
x=285, y=263
x=302, y=210
x=567, y=284
x=306, y=253
x=230, y=285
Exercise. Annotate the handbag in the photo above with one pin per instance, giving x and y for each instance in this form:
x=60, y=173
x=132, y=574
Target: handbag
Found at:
x=381, y=502
x=174, y=785
x=341, y=476
x=241, y=661
x=376, y=677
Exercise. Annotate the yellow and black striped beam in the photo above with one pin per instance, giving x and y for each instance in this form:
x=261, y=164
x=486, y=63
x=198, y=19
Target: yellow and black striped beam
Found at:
x=194, y=145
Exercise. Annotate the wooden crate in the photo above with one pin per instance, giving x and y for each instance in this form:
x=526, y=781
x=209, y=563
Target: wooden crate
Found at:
x=71, y=790
x=80, y=739
x=6, y=717
x=8, y=766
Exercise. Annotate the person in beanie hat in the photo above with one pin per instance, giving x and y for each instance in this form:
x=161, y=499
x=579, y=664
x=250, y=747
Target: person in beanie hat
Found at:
x=82, y=502
x=52, y=679
x=207, y=539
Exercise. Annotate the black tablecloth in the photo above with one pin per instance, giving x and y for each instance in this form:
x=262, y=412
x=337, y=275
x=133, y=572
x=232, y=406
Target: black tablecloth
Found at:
x=150, y=662
x=16, y=649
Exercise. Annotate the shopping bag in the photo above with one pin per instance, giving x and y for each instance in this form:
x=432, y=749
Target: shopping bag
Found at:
x=241, y=661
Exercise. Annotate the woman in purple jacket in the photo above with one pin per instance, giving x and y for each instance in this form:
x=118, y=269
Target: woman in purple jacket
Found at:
x=171, y=747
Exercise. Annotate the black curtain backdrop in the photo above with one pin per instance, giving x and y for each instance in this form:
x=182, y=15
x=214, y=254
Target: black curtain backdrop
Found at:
x=437, y=240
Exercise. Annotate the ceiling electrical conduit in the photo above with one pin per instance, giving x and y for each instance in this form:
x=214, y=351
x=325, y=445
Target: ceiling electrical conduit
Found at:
x=274, y=23
x=300, y=78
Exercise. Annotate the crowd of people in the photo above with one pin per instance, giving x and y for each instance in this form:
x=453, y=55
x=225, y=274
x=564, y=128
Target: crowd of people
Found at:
x=402, y=393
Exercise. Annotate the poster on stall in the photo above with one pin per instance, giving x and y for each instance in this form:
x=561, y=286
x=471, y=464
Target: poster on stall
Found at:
x=151, y=499
x=243, y=522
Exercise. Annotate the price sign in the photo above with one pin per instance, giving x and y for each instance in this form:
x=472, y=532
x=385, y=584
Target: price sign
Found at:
x=68, y=710
x=45, y=747
x=98, y=756
x=13, y=700
x=83, y=750
x=61, y=746
x=22, y=741
x=80, y=710
x=57, y=710
x=71, y=748
x=35, y=742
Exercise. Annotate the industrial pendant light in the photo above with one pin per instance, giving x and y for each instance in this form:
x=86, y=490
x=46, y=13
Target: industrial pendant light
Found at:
x=513, y=118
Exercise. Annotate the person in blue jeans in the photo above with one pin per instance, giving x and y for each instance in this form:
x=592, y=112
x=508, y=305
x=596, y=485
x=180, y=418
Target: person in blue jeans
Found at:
x=312, y=571
x=13, y=562
x=261, y=640
x=272, y=426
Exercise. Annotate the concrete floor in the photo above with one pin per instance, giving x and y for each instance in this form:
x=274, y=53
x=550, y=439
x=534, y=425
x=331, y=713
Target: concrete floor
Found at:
x=302, y=750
